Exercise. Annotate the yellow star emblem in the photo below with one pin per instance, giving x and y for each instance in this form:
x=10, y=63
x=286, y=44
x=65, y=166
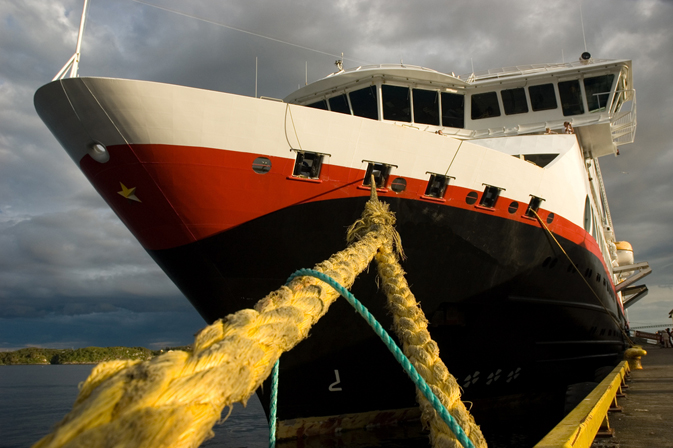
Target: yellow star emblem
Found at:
x=129, y=193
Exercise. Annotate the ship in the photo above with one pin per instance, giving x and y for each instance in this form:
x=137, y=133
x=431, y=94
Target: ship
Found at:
x=494, y=180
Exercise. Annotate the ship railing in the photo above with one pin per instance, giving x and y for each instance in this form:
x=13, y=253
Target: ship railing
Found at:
x=385, y=66
x=522, y=70
x=623, y=124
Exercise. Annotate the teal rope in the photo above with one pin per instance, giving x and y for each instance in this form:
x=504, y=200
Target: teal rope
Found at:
x=394, y=349
x=274, y=401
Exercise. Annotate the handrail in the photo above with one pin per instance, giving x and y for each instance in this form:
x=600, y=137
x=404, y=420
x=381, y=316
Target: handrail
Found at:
x=579, y=428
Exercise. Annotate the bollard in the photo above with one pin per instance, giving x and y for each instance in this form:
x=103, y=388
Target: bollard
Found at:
x=633, y=356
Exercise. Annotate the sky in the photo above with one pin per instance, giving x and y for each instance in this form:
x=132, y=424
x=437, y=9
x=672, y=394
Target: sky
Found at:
x=71, y=274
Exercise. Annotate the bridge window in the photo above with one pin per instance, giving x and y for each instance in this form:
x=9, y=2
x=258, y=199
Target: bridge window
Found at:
x=453, y=110
x=364, y=102
x=598, y=92
x=396, y=103
x=426, y=107
x=308, y=165
x=381, y=172
x=340, y=104
x=322, y=104
x=571, y=97
x=485, y=105
x=542, y=97
x=514, y=101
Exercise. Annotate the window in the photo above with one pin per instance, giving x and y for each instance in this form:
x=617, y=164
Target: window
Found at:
x=261, y=165
x=399, y=185
x=514, y=101
x=540, y=160
x=396, y=103
x=490, y=196
x=437, y=186
x=364, y=102
x=340, y=104
x=453, y=110
x=485, y=105
x=308, y=165
x=426, y=107
x=571, y=97
x=598, y=92
x=381, y=171
x=322, y=104
x=542, y=97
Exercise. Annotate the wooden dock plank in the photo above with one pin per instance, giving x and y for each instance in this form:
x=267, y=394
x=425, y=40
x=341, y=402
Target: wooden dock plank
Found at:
x=647, y=417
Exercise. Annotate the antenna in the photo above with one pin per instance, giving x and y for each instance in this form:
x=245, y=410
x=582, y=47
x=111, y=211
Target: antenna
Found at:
x=255, y=76
x=74, y=59
x=306, y=78
x=585, y=58
x=583, y=35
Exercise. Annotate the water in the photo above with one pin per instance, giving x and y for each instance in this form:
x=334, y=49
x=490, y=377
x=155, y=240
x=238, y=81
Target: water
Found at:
x=34, y=398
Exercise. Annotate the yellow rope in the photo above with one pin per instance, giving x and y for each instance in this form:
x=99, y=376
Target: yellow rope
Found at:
x=174, y=399
x=411, y=328
x=586, y=282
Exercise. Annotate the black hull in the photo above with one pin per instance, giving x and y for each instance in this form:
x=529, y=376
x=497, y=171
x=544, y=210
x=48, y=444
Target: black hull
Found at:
x=510, y=315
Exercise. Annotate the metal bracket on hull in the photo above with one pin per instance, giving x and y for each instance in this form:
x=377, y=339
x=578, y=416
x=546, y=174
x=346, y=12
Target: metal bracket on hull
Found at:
x=633, y=294
x=643, y=271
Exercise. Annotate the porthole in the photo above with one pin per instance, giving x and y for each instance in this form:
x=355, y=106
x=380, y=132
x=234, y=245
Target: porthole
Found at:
x=399, y=185
x=261, y=165
x=553, y=263
x=550, y=218
x=99, y=153
x=513, y=207
x=546, y=262
x=598, y=277
x=472, y=197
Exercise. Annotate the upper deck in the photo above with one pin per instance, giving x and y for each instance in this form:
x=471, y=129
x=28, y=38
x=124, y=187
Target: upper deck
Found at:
x=596, y=97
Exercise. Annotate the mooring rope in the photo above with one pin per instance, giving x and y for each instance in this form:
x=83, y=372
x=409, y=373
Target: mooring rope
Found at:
x=586, y=282
x=411, y=328
x=174, y=400
x=427, y=392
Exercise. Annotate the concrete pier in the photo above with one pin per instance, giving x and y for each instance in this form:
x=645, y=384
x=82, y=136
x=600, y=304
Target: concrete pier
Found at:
x=647, y=417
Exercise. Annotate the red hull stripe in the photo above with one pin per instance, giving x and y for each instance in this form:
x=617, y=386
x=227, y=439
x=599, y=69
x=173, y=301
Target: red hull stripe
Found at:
x=191, y=193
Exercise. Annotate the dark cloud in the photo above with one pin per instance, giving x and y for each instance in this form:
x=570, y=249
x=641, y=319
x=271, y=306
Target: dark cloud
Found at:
x=66, y=260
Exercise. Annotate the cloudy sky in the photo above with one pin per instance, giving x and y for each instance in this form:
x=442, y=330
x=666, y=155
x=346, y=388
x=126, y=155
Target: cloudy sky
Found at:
x=71, y=275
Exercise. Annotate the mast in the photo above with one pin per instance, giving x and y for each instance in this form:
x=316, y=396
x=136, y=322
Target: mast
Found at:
x=74, y=59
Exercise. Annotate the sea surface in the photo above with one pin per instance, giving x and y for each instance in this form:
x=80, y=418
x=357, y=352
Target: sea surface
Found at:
x=34, y=398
